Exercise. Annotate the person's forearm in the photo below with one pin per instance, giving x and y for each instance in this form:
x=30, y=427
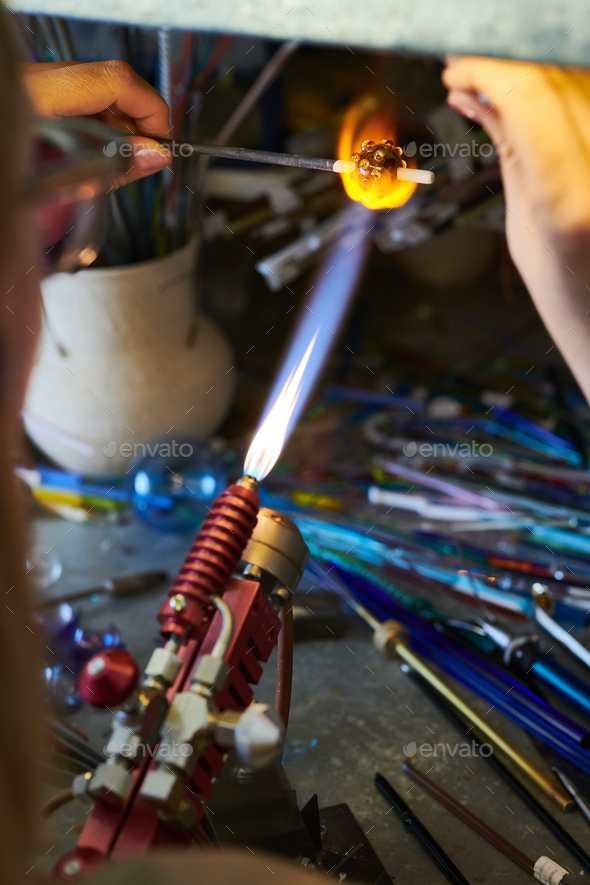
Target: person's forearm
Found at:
x=538, y=117
x=557, y=275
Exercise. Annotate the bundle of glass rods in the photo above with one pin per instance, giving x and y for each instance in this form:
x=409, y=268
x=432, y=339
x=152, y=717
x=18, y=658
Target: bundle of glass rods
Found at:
x=522, y=706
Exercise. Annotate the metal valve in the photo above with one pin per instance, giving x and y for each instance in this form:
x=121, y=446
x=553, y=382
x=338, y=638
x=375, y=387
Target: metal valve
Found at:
x=110, y=679
x=193, y=723
x=259, y=736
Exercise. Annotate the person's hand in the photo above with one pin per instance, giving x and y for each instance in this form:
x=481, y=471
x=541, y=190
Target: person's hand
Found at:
x=110, y=91
x=538, y=117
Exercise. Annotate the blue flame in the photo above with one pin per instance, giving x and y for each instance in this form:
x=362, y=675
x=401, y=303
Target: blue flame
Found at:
x=323, y=314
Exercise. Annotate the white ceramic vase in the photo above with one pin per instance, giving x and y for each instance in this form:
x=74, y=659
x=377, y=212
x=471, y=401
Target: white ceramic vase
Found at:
x=125, y=358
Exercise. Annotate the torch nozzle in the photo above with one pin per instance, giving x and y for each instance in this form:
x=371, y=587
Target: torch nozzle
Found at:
x=249, y=482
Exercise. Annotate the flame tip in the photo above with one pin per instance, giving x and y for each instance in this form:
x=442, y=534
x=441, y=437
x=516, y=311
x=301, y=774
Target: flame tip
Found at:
x=266, y=447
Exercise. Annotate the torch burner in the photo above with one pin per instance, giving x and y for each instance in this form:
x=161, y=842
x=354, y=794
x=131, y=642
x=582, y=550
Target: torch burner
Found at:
x=194, y=701
x=212, y=559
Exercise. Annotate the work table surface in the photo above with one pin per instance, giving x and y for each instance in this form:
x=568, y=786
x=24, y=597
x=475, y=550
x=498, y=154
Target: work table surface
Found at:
x=352, y=713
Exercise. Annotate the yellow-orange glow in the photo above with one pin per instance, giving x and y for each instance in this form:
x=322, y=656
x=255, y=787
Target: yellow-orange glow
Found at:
x=364, y=120
x=267, y=445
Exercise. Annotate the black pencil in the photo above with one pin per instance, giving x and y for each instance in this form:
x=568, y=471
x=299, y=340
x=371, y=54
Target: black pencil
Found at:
x=533, y=803
x=428, y=842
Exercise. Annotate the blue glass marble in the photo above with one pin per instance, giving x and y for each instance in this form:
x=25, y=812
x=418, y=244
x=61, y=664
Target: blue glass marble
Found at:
x=174, y=483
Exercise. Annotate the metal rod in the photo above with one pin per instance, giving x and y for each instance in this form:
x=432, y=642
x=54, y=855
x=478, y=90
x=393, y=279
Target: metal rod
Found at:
x=270, y=71
x=164, y=72
x=476, y=824
x=77, y=744
x=572, y=789
x=67, y=756
x=128, y=586
x=566, y=639
x=392, y=639
x=513, y=782
x=535, y=774
x=185, y=149
x=452, y=873
x=297, y=161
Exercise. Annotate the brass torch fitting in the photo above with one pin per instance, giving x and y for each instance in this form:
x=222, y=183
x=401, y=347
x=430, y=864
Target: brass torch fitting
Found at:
x=276, y=553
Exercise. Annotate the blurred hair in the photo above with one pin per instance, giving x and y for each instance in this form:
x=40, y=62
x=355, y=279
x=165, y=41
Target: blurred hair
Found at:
x=20, y=718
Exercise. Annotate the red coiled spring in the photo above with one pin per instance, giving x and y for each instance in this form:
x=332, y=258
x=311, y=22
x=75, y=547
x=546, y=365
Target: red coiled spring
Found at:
x=212, y=559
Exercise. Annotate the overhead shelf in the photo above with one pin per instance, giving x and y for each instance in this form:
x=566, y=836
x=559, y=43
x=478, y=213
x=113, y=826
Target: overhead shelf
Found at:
x=539, y=30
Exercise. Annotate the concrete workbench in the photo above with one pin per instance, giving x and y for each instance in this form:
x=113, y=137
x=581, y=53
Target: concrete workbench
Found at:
x=358, y=708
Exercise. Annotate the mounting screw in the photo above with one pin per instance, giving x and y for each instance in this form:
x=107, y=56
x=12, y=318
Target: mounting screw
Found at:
x=178, y=603
x=282, y=595
x=252, y=571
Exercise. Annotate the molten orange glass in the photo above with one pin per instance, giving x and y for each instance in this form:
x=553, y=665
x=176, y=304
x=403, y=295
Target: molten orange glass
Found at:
x=363, y=121
x=266, y=446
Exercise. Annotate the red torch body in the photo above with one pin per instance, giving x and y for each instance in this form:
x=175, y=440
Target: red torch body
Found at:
x=194, y=620
x=211, y=561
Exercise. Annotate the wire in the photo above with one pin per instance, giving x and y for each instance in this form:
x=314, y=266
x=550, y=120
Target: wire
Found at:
x=221, y=646
x=285, y=663
x=56, y=802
